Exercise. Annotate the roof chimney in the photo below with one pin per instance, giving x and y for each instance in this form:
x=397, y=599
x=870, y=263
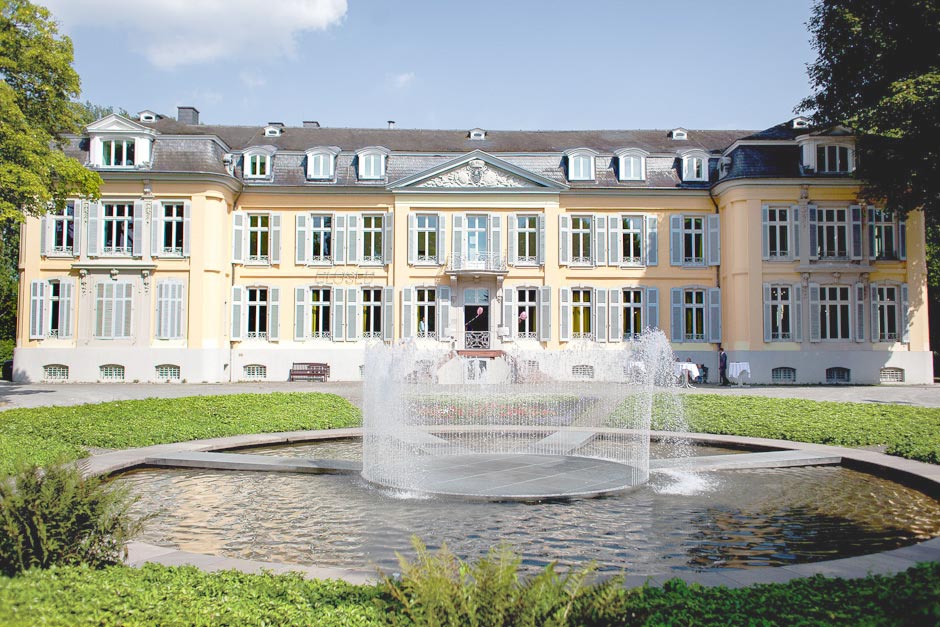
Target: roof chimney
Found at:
x=311, y=124
x=187, y=115
x=391, y=123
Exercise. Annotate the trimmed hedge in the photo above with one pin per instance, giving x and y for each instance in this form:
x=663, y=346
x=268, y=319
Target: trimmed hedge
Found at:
x=159, y=595
x=44, y=435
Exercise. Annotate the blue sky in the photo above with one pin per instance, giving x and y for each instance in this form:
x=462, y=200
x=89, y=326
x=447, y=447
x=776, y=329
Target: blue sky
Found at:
x=444, y=64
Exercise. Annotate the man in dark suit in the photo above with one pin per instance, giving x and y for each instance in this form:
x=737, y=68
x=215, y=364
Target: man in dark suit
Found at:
x=723, y=365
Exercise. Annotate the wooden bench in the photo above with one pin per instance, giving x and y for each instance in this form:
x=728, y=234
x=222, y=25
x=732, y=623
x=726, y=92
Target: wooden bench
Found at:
x=309, y=372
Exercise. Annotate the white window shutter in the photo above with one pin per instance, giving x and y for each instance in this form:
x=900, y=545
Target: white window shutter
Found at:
x=599, y=234
x=905, y=318
x=544, y=321
x=855, y=222
x=238, y=238
x=615, y=241
x=156, y=229
x=443, y=312
x=77, y=228
x=871, y=236
x=337, y=313
x=814, y=330
x=813, y=249
x=765, y=237
x=564, y=240
x=275, y=239
x=496, y=238
x=274, y=314
x=339, y=239
x=714, y=240
x=714, y=315
x=187, y=227
x=510, y=317
x=459, y=239
x=353, y=239
x=388, y=239
x=178, y=309
x=37, y=309
x=126, y=303
x=238, y=313
x=102, y=310
x=860, y=312
x=675, y=240
x=407, y=312
x=66, y=307
x=301, y=312
x=352, y=314
x=795, y=231
x=163, y=309
x=768, y=318
x=541, y=239
x=137, y=241
x=615, y=314
x=796, y=316
x=652, y=241
x=388, y=313
x=564, y=304
x=652, y=308
x=677, y=330
x=511, y=243
x=902, y=239
x=412, y=239
x=600, y=315
x=875, y=328
x=45, y=235
x=301, y=239
x=94, y=229
x=441, y=239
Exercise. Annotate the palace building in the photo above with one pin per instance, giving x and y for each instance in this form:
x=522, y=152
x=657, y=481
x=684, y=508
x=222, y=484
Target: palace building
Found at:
x=228, y=253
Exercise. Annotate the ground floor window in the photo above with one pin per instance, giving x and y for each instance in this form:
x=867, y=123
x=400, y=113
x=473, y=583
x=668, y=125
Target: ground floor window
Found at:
x=694, y=314
x=168, y=372
x=371, y=313
x=426, y=302
x=55, y=372
x=111, y=372
x=632, y=313
x=834, y=308
x=783, y=374
x=527, y=305
x=891, y=375
x=838, y=374
x=256, y=372
x=581, y=314
x=320, y=312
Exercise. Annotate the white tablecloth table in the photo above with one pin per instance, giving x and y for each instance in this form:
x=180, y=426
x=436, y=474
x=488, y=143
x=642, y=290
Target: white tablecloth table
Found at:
x=687, y=371
x=736, y=370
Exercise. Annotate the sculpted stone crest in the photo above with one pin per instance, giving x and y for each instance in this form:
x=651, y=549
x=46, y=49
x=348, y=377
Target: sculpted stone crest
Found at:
x=476, y=174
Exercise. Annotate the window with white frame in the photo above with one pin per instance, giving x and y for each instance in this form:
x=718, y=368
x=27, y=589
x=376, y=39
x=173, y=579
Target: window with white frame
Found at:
x=372, y=312
x=527, y=238
x=257, y=313
x=371, y=165
x=527, y=306
x=695, y=168
x=55, y=372
x=632, y=167
x=111, y=372
x=693, y=240
x=476, y=236
x=426, y=303
x=168, y=372
x=834, y=159
x=257, y=165
x=55, y=314
x=581, y=167
x=582, y=314
x=320, y=165
x=632, y=313
x=255, y=372
x=117, y=153
x=886, y=312
x=884, y=234
x=780, y=313
x=259, y=237
x=320, y=312
x=372, y=245
x=834, y=308
x=62, y=231
x=778, y=232
x=321, y=234
x=631, y=237
x=581, y=240
x=113, y=306
x=118, y=225
x=173, y=219
x=832, y=233
x=693, y=311
x=50, y=308
x=427, y=238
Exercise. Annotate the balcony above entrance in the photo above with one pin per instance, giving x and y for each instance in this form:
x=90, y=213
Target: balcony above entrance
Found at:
x=475, y=264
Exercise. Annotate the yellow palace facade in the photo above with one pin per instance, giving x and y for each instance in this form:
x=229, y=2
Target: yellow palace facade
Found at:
x=228, y=253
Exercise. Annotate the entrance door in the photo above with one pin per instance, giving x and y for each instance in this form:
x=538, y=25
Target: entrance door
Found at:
x=476, y=317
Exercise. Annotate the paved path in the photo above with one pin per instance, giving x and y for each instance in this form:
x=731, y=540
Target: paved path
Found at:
x=40, y=395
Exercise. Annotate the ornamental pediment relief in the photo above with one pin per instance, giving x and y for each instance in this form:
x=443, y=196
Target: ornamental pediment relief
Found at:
x=114, y=123
x=476, y=173
x=477, y=170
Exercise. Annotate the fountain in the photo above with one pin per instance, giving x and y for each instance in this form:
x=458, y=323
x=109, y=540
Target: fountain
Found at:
x=531, y=425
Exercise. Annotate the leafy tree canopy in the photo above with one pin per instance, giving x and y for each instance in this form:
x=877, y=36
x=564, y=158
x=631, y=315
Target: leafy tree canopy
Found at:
x=37, y=85
x=878, y=71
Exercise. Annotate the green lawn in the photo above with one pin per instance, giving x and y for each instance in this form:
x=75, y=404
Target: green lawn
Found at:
x=47, y=434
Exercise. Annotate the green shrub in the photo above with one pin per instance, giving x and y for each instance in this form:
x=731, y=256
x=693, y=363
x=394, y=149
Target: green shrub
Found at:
x=6, y=350
x=55, y=516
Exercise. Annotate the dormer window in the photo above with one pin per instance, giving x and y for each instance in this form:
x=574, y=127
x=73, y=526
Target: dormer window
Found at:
x=581, y=165
x=695, y=166
x=118, y=153
x=631, y=165
x=118, y=142
x=320, y=163
x=147, y=116
x=371, y=164
x=679, y=134
x=800, y=122
x=273, y=130
x=835, y=159
x=477, y=134
x=257, y=165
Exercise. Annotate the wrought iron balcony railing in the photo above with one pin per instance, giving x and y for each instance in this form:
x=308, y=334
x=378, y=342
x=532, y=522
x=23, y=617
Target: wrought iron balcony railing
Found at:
x=476, y=262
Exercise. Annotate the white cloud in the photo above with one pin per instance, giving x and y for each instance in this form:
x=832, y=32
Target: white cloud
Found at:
x=172, y=33
x=400, y=81
x=252, y=80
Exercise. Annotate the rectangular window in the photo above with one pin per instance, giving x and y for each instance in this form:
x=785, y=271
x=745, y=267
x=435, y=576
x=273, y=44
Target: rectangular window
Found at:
x=694, y=313
x=118, y=224
x=372, y=246
x=631, y=168
x=321, y=234
x=63, y=230
x=886, y=305
x=581, y=240
x=426, y=302
x=833, y=159
x=259, y=237
x=257, y=313
x=884, y=235
x=113, y=309
x=780, y=313
x=173, y=223
x=579, y=167
x=834, y=307
x=320, y=166
x=632, y=240
x=117, y=153
x=427, y=238
x=581, y=315
x=476, y=233
x=55, y=319
x=527, y=300
x=832, y=233
x=370, y=166
x=527, y=237
x=693, y=240
x=778, y=235
x=257, y=166
x=320, y=312
x=372, y=312
x=632, y=313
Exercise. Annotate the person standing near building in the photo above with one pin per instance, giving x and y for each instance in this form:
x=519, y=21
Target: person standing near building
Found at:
x=723, y=366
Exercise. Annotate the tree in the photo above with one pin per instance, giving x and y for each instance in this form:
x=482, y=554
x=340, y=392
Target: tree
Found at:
x=90, y=112
x=878, y=71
